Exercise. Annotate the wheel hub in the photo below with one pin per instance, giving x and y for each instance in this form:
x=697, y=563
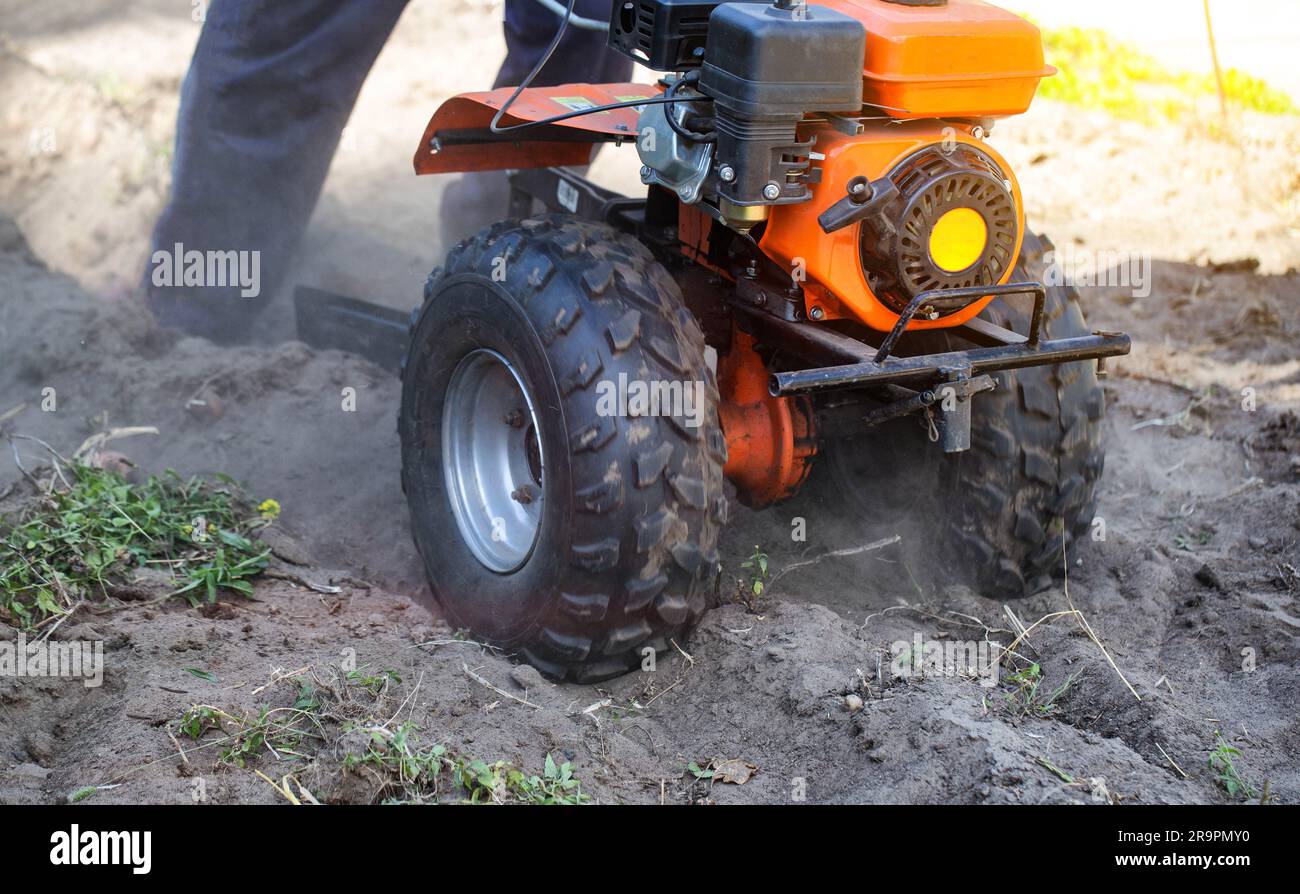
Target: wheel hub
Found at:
x=492, y=460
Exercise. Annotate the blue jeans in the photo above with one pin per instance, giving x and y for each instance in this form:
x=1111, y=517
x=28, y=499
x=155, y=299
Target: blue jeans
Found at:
x=268, y=92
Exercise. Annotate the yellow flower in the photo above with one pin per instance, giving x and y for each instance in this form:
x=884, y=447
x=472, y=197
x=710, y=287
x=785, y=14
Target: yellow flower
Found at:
x=270, y=509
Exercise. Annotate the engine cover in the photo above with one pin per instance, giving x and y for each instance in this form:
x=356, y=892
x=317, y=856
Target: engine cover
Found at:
x=866, y=270
x=951, y=225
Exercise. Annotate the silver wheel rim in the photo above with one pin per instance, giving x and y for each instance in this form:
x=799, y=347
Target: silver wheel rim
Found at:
x=492, y=460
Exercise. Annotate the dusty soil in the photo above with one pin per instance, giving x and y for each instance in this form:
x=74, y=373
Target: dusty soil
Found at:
x=1194, y=590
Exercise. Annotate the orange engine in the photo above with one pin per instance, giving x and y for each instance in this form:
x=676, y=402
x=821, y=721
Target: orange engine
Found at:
x=957, y=221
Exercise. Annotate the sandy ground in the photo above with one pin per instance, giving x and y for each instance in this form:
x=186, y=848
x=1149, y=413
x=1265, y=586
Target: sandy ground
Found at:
x=1194, y=589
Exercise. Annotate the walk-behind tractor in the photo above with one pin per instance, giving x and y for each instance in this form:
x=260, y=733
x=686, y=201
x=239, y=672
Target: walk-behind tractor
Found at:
x=830, y=266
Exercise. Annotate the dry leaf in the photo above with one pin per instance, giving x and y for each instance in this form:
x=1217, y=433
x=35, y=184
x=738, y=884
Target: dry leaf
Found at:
x=735, y=771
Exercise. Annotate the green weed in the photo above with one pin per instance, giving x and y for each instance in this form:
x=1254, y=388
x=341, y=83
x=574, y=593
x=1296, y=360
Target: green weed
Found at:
x=282, y=732
x=756, y=564
x=1027, y=697
x=1226, y=772
x=501, y=782
x=73, y=543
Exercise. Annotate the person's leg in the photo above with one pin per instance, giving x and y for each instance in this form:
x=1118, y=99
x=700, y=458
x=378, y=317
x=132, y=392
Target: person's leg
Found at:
x=476, y=200
x=264, y=103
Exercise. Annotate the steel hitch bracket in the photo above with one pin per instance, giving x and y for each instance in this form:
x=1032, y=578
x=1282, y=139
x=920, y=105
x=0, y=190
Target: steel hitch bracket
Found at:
x=947, y=407
x=952, y=421
x=998, y=348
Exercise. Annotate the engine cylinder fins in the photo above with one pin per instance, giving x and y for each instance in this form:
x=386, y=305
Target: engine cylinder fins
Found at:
x=927, y=238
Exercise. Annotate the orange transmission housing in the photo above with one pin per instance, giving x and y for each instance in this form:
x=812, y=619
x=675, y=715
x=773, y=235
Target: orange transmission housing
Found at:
x=771, y=441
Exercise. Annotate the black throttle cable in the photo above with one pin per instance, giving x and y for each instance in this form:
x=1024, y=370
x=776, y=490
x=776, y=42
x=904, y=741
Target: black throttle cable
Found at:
x=496, y=128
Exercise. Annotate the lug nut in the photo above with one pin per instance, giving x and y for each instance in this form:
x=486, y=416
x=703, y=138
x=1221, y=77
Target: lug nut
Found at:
x=772, y=192
x=514, y=419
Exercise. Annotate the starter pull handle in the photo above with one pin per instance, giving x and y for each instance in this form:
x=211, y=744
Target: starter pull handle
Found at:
x=865, y=198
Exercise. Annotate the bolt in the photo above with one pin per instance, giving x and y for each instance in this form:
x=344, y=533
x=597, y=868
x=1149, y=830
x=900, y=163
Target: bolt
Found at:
x=858, y=187
x=816, y=313
x=771, y=192
x=727, y=173
x=646, y=173
x=751, y=270
x=522, y=494
x=514, y=419
x=977, y=132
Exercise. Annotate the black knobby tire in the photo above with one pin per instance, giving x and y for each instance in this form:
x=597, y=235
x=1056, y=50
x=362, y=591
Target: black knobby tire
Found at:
x=626, y=550
x=994, y=515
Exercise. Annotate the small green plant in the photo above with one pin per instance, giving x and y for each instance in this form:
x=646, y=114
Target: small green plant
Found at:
x=556, y=785
x=405, y=769
x=501, y=782
x=226, y=571
x=1189, y=540
x=756, y=564
x=1025, y=698
x=699, y=772
x=83, y=793
x=373, y=683
x=75, y=542
x=309, y=698
x=1226, y=772
x=280, y=731
x=410, y=772
x=1057, y=771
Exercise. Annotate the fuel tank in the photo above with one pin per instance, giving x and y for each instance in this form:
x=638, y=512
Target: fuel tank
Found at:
x=954, y=59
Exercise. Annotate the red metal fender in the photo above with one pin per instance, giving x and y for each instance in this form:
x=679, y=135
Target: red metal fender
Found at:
x=458, y=138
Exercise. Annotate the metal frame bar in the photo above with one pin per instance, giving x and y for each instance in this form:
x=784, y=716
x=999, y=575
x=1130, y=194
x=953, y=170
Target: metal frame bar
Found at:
x=930, y=367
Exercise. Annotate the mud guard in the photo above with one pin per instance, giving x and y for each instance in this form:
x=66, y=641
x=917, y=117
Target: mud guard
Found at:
x=458, y=137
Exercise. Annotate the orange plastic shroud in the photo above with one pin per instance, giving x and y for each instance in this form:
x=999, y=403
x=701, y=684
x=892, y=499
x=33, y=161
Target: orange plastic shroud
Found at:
x=965, y=59
x=835, y=285
x=469, y=115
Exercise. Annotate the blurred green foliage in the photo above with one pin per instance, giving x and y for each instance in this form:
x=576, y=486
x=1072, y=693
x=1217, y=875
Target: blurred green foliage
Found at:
x=1099, y=72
